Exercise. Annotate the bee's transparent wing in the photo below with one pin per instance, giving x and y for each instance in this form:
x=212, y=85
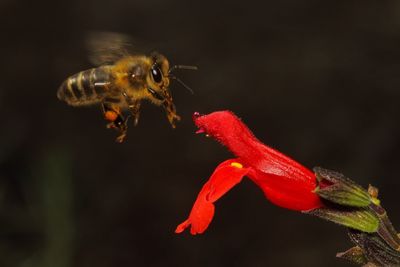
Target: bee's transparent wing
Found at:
x=108, y=47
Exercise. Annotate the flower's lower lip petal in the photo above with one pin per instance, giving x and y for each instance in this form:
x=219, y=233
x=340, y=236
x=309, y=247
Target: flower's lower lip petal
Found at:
x=182, y=226
x=225, y=177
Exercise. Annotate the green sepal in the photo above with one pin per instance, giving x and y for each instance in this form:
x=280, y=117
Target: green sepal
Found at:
x=355, y=255
x=376, y=250
x=360, y=219
x=337, y=188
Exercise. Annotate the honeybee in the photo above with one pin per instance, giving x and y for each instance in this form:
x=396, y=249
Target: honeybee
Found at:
x=121, y=82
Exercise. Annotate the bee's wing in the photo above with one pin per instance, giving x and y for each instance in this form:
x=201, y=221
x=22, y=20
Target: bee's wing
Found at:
x=108, y=47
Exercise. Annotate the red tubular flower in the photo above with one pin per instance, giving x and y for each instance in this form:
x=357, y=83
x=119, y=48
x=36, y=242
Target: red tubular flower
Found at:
x=284, y=182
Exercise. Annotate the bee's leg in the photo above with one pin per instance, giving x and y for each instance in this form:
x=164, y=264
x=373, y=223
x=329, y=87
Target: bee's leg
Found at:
x=170, y=109
x=135, y=111
x=134, y=108
x=116, y=120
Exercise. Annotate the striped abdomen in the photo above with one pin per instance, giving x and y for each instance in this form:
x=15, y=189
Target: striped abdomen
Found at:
x=86, y=87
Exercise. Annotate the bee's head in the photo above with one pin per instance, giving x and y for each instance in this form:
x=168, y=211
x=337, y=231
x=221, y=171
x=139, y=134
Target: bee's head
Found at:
x=157, y=78
x=155, y=72
x=150, y=73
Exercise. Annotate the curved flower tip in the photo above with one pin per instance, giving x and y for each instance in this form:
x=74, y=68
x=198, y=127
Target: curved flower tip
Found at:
x=226, y=175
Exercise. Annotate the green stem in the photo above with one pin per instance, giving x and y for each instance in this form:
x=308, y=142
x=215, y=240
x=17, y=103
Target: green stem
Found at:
x=386, y=229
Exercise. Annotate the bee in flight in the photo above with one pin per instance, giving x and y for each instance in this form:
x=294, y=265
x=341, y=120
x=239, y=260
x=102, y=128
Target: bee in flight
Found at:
x=121, y=82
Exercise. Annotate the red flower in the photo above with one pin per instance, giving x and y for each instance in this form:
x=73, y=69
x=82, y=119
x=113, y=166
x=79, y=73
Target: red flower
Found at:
x=284, y=182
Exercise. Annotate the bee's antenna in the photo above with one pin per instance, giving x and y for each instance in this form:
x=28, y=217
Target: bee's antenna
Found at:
x=184, y=67
x=182, y=83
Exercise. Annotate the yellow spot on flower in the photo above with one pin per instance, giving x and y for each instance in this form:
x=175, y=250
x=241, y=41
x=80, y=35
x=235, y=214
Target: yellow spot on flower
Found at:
x=237, y=165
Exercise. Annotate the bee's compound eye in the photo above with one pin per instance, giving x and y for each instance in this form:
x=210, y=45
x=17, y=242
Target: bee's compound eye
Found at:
x=156, y=74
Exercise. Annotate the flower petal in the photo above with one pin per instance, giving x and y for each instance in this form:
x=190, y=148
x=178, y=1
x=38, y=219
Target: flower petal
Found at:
x=226, y=175
x=284, y=181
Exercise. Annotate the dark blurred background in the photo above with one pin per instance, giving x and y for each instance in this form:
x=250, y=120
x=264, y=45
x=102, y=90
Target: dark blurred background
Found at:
x=318, y=80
